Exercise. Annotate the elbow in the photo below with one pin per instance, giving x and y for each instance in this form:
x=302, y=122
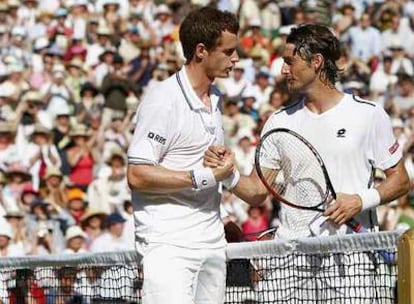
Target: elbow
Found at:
x=136, y=181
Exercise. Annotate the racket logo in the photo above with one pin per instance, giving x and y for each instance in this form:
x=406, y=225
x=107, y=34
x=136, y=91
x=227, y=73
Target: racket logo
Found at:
x=341, y=133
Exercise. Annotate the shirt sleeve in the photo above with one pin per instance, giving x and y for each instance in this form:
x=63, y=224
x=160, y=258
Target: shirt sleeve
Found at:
x=386, y=148
x=152, y=132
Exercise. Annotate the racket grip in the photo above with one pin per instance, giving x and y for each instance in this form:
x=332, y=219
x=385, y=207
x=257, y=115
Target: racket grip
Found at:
x=388, y=257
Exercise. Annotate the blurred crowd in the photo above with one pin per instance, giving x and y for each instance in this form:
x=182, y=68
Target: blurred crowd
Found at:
x=72, y=73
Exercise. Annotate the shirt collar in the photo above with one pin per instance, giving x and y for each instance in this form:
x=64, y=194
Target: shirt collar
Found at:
x=190, y=95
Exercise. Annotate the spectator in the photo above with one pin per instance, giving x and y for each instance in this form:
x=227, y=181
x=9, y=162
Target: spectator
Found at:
x=81, y=156
x=93, y=223
x=7, y=248
x=75, y=240
x=76, y=203
x=114, y=236
x=255, y=224
x=65, y=291
x=108, y=193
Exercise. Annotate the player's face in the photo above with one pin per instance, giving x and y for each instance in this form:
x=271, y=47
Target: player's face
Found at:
x=220, y=61
x=299, y=74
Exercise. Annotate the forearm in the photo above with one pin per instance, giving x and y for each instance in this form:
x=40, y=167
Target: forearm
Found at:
x=157, y=179
x=251, y=190
x=396, y=184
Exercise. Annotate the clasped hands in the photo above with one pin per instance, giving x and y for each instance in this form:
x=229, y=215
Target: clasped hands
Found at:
x=221, y=160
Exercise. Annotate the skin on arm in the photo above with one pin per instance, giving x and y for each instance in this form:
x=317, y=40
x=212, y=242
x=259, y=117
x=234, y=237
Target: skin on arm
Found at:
x=249, y=188
x=157, y=179
x=347, y=206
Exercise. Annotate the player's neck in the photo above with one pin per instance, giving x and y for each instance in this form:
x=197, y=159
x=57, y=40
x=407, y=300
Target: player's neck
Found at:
x=199, y=81
x=322, y=98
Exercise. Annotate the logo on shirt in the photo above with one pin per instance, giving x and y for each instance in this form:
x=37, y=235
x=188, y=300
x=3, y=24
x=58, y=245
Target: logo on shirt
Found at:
x=341, y=133
x=156, y=137
x=394, y=147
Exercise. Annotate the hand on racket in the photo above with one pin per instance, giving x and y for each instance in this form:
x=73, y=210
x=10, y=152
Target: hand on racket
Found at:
x=295, y=174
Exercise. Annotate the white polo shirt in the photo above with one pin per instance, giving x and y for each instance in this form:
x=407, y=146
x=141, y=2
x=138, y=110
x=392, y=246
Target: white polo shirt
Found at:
x=352, y=138
x=173, y=130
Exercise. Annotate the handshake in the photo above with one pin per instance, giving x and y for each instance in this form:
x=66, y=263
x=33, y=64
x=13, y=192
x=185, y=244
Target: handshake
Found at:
x=219, y=166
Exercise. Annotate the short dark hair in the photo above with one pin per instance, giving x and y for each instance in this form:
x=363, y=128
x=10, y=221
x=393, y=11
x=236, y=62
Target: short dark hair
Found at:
x=311, y=39
x=205, y=26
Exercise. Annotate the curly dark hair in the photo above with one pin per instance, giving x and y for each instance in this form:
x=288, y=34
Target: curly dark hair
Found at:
x=205, y=26
x=311, y=39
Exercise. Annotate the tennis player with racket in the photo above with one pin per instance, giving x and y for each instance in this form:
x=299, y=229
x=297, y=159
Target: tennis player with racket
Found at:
x=176, y=200
x=352, y=136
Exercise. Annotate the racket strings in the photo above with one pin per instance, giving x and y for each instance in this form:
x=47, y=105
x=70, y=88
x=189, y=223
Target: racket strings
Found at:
x=292, y=170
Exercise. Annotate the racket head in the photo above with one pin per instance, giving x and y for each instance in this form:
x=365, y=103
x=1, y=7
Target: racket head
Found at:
x=292, y=170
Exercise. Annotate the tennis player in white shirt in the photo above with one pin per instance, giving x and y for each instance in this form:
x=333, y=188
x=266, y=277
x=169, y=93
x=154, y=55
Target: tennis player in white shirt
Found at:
x=353, y=136
x=176, y=200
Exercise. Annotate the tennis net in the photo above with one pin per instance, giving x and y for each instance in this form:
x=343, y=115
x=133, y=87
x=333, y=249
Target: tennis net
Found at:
x=335, y=269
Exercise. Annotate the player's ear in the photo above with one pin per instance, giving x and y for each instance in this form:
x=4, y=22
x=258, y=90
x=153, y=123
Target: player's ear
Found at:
x=317, y=61
x=200, y=51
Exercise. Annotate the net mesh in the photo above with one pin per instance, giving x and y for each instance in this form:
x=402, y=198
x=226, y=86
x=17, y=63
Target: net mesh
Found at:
x=337, y=269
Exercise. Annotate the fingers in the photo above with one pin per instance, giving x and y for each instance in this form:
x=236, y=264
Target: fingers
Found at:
x=215, y=155
x=343, y=209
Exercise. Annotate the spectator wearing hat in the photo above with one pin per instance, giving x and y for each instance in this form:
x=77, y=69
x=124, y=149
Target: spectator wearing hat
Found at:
x=75, y=239
x=244, y=151
x=90, y=105
x=27, y=13
x=163, y=24
x=113, y=18
x=7, y=248
x=249, y=103
x=113, y=239
x=253, y=36
x=28, y=195
x=60, y=130
x=9, y=151
x=233, y=120
x=234, y=85
x=402, y=103
x=17, y=175
x=116, y=87
x=401, y=64
x=81, y=156
x=55, y=191
x=76, y=76
x=42, y=153
x=117, y=133
x=108, y=193
x=106, y=60
x=47, y=222
x=102, y=43
x=57, y=87
x=145, y=9
x=59, y=31
x=78, y=18
x=141, y=68
x=382, y=82
x=15, y=218
x=93, y=223
x=77, y=203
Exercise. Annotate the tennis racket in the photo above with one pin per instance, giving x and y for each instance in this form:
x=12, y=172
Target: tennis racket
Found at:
x=295, y=174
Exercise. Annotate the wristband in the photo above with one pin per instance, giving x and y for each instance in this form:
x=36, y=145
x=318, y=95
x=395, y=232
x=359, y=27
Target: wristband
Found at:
x=231, y=181
x=203, y=178
x=370, y=198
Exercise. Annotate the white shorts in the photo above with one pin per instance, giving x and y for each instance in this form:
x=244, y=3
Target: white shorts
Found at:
x=177, y=275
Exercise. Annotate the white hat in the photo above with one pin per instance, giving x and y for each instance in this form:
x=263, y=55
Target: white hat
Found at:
x=75, y=231
x=18, y=31
x=248, y=92
x=255, y=22
x=6, y=230
x=7, y=89
x=41, y=43
x=397, y=123
x=162, y=9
